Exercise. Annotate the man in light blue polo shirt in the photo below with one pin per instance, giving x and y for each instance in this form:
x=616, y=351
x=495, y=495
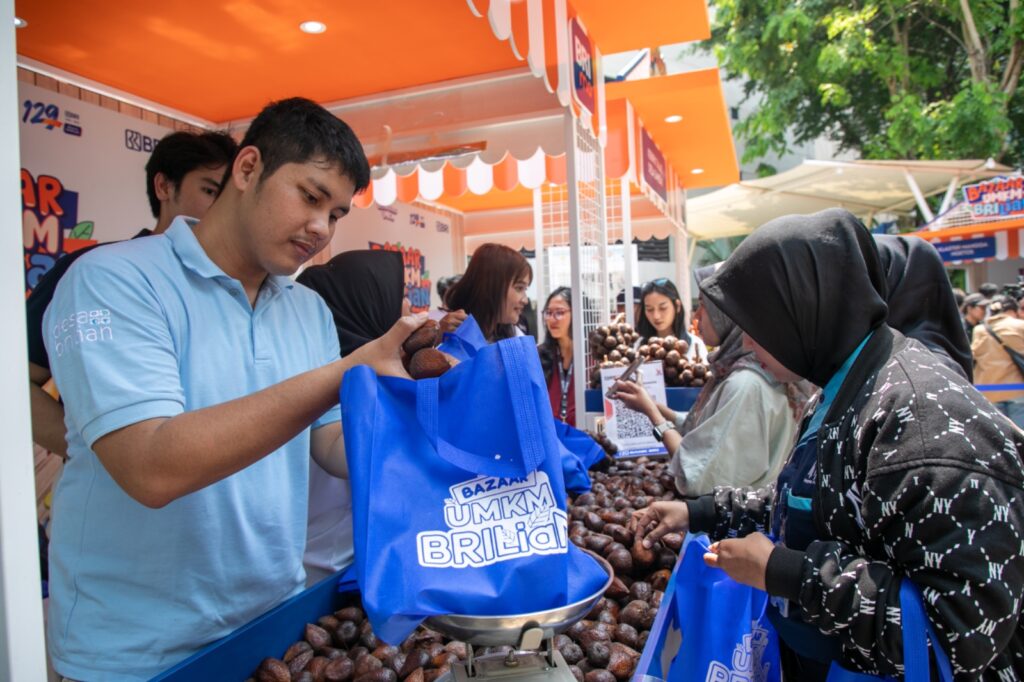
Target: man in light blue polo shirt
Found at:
x=192, y=370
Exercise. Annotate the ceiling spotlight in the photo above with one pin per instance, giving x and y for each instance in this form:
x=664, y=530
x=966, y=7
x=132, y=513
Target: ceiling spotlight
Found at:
x=19, y=22
x=312, y=27
x=697, y=171
x=674, y=118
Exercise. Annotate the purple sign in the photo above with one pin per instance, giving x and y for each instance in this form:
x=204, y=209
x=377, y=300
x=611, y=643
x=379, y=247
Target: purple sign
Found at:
x=652, y=165
x=582, y=66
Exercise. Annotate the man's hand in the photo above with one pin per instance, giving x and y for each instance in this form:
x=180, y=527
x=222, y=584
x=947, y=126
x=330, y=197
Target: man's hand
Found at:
x=659, y=518
x=635, y=397
x=452, y=321
x=384, y=355
x=744, y=559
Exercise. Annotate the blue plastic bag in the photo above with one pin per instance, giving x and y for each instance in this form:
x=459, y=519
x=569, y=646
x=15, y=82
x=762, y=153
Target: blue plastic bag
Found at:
x=458, y=500
x=580, y=452
x=701, y=599
x=726, y=634
x=463, y=343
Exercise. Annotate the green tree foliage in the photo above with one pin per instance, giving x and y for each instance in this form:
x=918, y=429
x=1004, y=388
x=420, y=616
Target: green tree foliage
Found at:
x=937, y=79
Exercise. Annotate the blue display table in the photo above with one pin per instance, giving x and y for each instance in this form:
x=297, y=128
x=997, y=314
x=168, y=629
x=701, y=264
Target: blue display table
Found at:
x=679, y=399
x=236, y=656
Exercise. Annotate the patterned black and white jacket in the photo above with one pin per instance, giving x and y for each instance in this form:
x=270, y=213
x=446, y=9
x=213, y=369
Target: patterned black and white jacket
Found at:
x=917, y=476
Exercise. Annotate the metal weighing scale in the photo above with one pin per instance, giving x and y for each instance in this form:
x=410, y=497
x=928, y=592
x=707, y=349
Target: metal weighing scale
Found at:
x=533, y=657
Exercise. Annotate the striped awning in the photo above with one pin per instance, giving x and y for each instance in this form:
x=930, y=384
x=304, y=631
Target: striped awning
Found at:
x=978, y=243
x=447, y=179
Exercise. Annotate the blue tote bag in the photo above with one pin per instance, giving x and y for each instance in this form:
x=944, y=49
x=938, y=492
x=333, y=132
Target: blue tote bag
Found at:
x=726, y=636
x=458, y=500
x=463, y=343
x=725, y=632
x=580, y=450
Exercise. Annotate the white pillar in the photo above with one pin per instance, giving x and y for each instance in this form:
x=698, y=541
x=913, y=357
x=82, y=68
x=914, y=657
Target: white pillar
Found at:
x=539, y=260
x=579, y=339
x=22, y=655
x=682, y=269
x=628, y=275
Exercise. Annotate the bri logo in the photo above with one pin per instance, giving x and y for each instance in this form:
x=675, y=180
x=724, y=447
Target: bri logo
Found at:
x=137, y=142
x=493, y=519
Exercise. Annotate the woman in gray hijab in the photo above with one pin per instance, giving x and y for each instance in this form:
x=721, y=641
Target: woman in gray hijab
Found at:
x=743, y=424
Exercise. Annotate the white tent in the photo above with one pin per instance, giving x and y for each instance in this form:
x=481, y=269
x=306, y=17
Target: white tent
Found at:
x=865, y=188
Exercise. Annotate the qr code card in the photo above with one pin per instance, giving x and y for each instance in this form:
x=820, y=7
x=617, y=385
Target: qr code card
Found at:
x=630, y=430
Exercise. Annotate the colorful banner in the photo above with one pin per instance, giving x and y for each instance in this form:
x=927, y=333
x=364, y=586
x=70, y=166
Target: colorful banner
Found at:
x=422, y=237
x=50, y=226
x=83, y=176
x=582, y=66
x=417, y=277
x=1001, y=197
x=652, y=165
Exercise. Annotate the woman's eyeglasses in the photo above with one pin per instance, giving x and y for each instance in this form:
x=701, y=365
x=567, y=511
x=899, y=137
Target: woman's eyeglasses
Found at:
x=555, y=314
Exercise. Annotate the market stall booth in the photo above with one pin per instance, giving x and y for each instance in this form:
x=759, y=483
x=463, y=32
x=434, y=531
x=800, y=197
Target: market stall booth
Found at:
x=979, y=234
x=473, y=115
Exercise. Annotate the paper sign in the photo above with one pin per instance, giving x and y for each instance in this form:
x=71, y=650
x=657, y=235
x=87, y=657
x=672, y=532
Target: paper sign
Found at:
x=631, y=431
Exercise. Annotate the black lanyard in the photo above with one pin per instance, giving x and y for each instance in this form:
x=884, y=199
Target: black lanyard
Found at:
x=564, y=377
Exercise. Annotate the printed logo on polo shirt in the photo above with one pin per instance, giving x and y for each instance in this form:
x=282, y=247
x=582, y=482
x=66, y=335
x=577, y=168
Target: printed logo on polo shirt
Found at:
x=78, y=329
x=492, y=519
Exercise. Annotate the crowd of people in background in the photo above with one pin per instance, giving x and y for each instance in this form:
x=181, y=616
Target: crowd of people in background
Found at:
x=992, y=322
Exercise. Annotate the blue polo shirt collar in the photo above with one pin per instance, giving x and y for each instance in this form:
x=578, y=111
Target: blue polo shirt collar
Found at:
x=192, y=255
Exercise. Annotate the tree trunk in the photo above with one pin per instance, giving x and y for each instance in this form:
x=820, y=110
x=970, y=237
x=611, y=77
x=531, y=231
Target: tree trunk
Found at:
x=1014, y=63
x=975, y=49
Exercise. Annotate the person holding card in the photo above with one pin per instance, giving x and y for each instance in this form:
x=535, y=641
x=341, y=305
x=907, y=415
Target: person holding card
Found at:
x=744, y=421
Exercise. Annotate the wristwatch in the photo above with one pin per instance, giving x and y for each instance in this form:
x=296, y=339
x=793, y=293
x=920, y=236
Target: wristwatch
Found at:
x=660, y=429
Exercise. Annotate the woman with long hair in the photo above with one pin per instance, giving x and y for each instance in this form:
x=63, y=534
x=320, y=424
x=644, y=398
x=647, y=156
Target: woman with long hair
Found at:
x=493, y=290
x=556, y=354
x=662, y=314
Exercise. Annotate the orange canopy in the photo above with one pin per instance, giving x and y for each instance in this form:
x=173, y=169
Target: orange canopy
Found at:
x=225, y=60
x=699, y=146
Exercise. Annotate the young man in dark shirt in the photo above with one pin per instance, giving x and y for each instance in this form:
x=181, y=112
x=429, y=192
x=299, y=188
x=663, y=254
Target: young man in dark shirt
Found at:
x=183, y=177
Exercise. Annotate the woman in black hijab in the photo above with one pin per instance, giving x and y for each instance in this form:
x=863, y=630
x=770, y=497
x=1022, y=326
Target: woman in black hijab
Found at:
x=902, y=471
x=921, y=301
x=365, y=291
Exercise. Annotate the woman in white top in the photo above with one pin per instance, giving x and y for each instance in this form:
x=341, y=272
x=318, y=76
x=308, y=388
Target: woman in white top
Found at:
x=743, y=424
x=662, y=315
